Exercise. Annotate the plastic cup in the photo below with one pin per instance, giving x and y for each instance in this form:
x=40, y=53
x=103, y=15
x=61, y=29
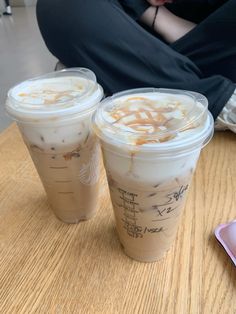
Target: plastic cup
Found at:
x=151, y=140
x=53, y=113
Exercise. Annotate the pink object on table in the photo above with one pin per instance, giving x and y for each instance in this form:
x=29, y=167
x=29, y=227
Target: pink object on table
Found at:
x=226, y=235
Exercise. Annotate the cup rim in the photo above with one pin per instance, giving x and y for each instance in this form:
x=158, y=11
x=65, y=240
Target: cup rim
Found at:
x=201, y=138
x=81, y=103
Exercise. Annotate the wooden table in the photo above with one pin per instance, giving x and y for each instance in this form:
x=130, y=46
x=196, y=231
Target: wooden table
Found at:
x=47, y=266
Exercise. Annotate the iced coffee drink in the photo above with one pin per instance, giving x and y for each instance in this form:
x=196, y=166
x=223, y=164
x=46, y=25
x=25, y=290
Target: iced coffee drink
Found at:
x=53, y=113
x=151, y=140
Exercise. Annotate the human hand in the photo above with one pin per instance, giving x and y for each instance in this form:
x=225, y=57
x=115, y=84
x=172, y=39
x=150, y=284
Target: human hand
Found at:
x=158, y=3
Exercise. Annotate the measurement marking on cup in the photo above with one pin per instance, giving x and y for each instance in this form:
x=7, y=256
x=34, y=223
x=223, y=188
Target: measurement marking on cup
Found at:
x=161, y=219
x=58, y=167
x=68, y=181
x=65, y=192
x=130, y=219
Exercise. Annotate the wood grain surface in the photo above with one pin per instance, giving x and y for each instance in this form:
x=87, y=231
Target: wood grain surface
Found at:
x=47, y=266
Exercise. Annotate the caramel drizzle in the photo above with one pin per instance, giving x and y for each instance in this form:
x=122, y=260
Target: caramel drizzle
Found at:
x=57, y=95
x=155, y=120
x=148, y=119
x=144, y=118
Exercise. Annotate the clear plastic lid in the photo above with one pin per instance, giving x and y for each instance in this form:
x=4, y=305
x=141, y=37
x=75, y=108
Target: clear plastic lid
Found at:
x=152, y=118
x=56, y=94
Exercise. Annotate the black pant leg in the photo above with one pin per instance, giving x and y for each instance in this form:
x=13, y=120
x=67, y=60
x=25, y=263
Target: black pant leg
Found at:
x=211, y=45
x=101, y=36
x=7, y=2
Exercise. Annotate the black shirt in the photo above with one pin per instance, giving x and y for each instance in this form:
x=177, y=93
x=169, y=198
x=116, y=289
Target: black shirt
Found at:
x=136, y=8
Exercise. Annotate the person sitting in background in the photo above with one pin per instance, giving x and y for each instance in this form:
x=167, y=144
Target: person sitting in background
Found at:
x=181, y=44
